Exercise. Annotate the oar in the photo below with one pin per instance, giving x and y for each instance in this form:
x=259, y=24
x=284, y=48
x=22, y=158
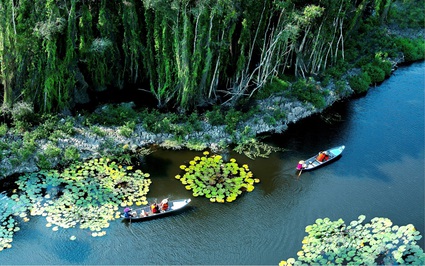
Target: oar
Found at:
x=300, y=172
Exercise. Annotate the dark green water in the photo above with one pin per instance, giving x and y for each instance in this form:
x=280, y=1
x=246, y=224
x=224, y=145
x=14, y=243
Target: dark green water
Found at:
x=381, y=174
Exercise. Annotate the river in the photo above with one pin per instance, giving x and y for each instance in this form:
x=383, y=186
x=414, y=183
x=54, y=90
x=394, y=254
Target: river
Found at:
x=380, y=174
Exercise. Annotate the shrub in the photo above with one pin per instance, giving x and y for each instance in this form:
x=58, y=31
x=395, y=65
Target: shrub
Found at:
x=275, y=86
x=412, y=49
x=98, y=131
x=127, y=129
x=23, y=115
x=382, y=62
x=71, y=154
x=194, y=122
x=52, y=151
x=307, y=90
x=3, y=130
x=232, y=118
x=360, y=83
x=196, y=145
x=338, y=70
x=215, y=117
x=375, y=73
x=43, y=162
x=154, y=122
x=111, y=115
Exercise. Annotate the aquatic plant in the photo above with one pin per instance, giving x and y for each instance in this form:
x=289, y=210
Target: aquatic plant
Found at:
x=218, y=181
x=253, y=148
x=8, y=224
x=378, y=242
x=88, y=194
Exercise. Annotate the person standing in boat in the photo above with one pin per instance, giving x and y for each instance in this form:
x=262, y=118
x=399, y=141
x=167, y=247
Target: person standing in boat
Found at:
x=127, y=212
x=301, y=165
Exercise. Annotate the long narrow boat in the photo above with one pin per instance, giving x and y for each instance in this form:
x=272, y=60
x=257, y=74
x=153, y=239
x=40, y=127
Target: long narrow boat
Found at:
x=320, y=159
x=145, y=213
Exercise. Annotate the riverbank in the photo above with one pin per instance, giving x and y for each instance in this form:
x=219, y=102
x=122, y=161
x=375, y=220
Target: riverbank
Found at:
x=59, y=140
x=72, y=139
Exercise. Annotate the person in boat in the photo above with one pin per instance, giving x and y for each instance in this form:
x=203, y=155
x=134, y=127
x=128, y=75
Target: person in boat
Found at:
x=321, y=156
x=143, y=213
x=326, y=156
x=164, y=204
x=154, y=208
x=128, y=213
x=301, y=165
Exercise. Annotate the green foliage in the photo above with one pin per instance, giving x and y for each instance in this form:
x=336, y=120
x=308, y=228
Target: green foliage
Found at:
x=154, y=121
x=110, y=115
x=71, y=154
x=307, y=90
x=360, y=83
x=253, y=148
x=127, y=129
x=215, y=117
x=407, y=15
x=375, y=243
x=52, y=151
x=98, y=131
x=232, y=118
x=375, y=73
x=338, y=70
x=23, y=116
x=215, y=179
x=3, y=129
x=413, y=50
x=9, y=224
x=43, y=162
x=196, y=145
x=86, y=194
x=275, y=86
x=4, y=149
x=185, y=55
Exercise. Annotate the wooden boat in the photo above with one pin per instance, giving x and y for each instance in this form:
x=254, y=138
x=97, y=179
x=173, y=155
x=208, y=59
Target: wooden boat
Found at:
x=173, y=206
x=315, y=161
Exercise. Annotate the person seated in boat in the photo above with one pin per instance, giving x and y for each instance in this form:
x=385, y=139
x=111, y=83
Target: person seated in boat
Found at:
x=164, y=204
x=326, y=156
x=143, y=213
x=154, y=208
x=321, y=156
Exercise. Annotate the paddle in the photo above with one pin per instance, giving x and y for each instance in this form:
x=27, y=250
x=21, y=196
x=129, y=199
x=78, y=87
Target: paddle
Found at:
x=300, y=172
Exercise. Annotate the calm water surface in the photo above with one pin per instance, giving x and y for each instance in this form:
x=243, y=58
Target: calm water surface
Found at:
x=381, y=174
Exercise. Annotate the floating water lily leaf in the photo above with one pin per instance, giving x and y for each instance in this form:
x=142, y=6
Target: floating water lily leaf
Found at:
x=97, y=183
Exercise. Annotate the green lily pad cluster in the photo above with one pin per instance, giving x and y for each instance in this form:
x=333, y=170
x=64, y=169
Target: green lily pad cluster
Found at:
x=8, y=224
x=378, y=242
x=87, y=194
x=211, y=177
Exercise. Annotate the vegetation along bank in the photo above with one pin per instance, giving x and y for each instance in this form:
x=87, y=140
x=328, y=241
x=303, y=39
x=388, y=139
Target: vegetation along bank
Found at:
x=110, y=80
x=92, y=79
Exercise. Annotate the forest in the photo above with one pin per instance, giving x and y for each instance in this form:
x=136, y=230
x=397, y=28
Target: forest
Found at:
x=171, y=54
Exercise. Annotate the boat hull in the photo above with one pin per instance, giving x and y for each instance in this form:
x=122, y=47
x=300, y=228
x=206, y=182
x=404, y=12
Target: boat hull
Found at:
x=313, y=163
x=174, y=206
